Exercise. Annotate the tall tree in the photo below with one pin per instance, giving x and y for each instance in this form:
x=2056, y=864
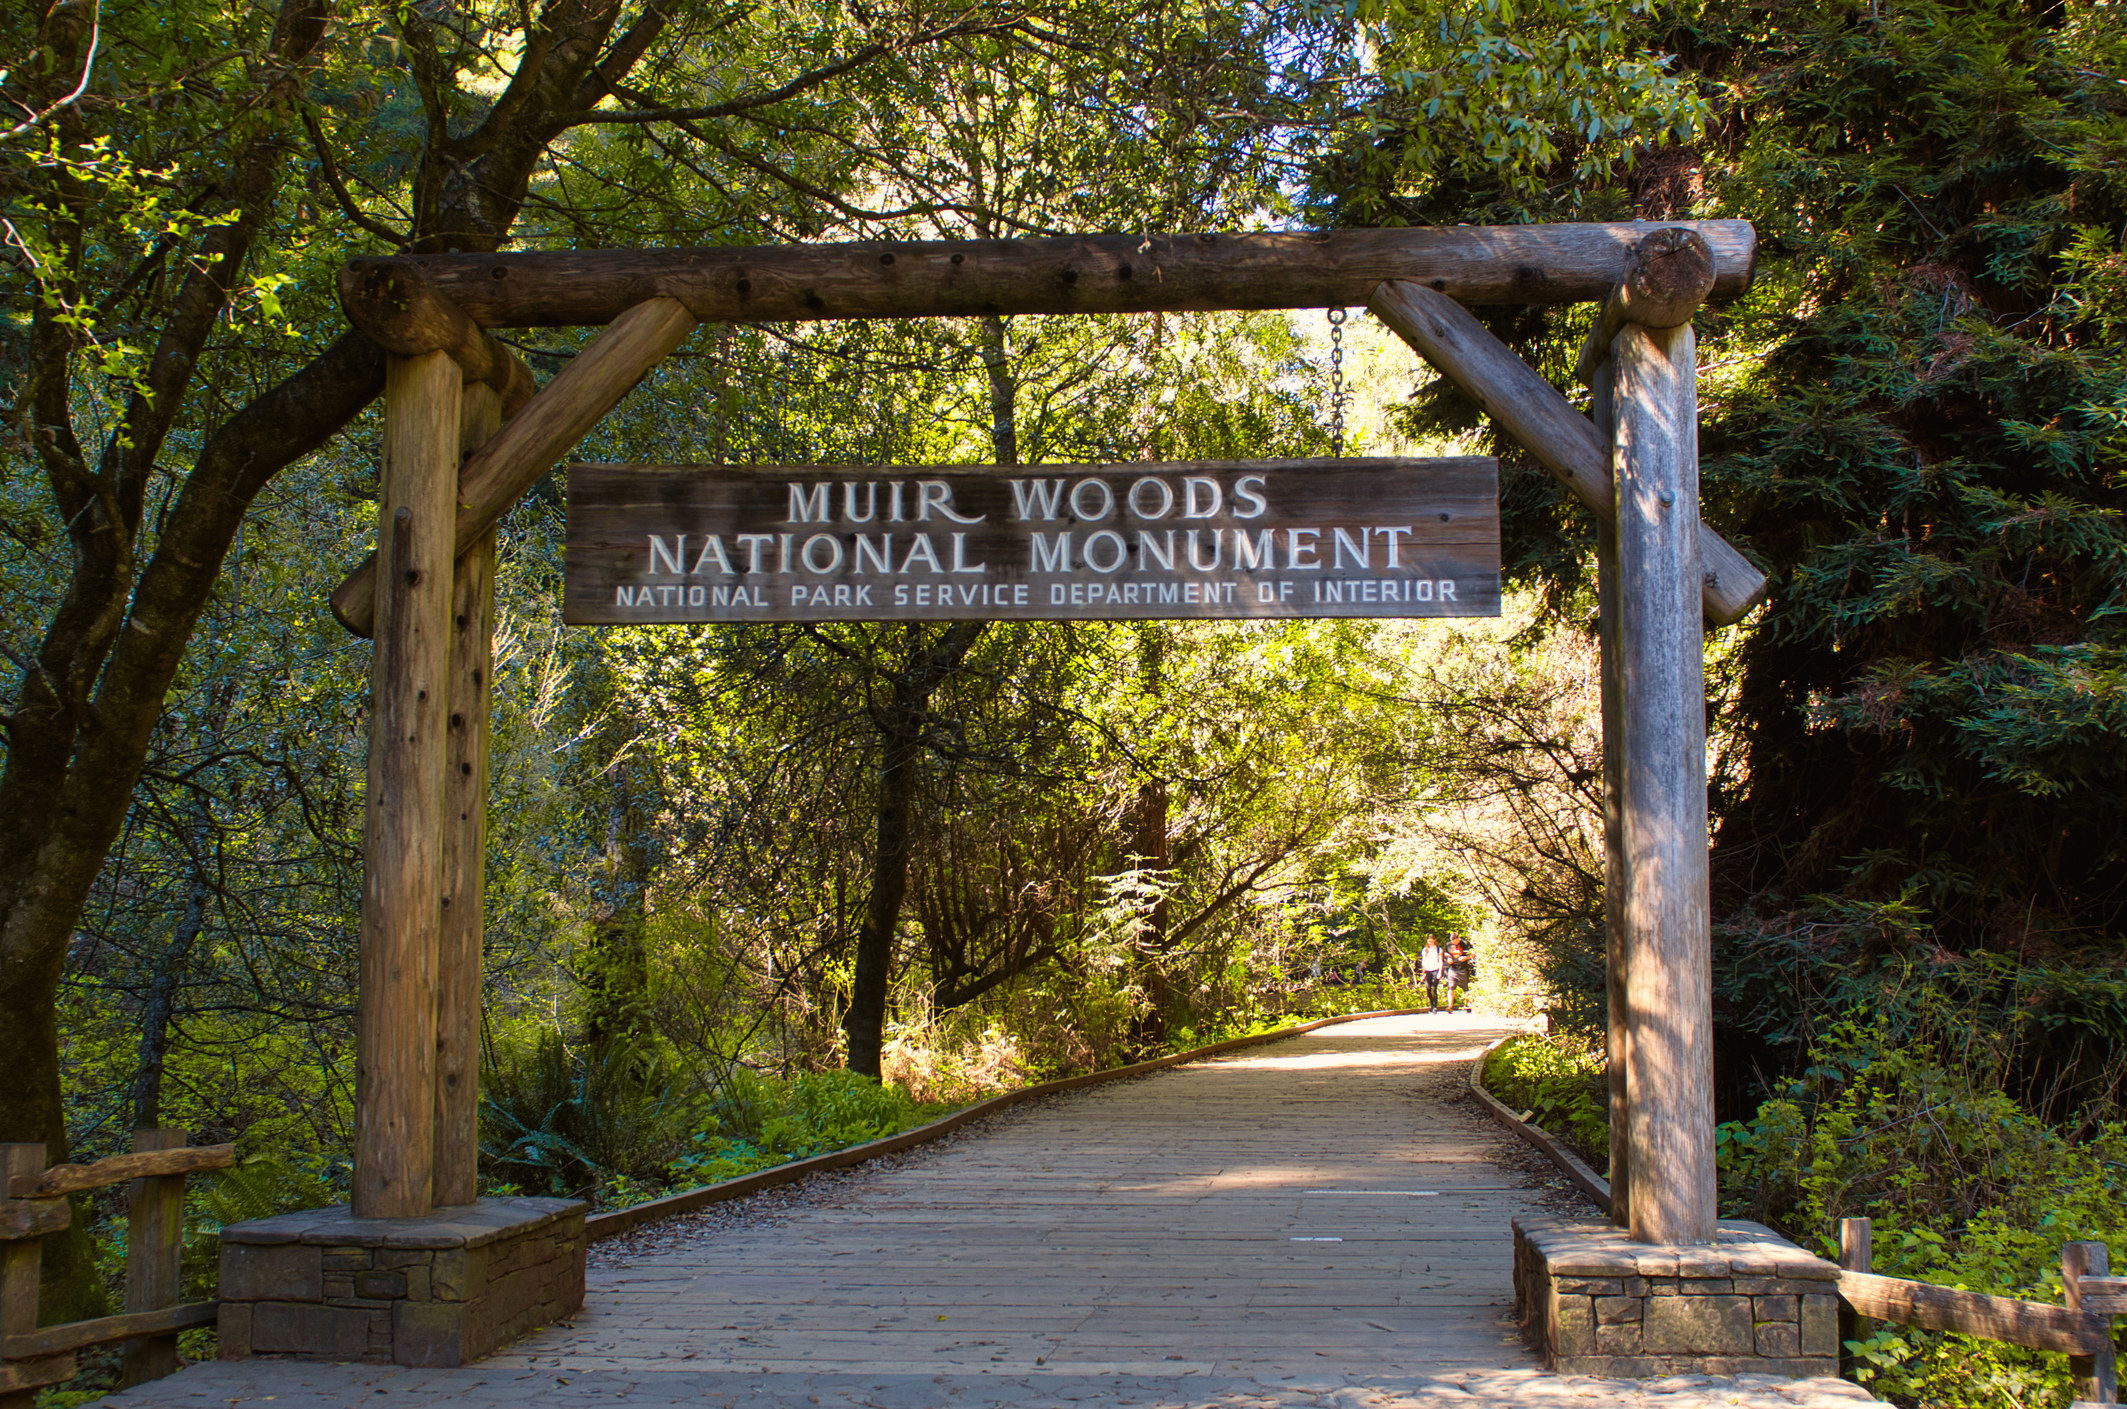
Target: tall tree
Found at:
x=255, y=146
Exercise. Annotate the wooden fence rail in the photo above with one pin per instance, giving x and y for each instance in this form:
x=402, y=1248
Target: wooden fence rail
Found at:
x=33, y=1204
x=2082, y=1328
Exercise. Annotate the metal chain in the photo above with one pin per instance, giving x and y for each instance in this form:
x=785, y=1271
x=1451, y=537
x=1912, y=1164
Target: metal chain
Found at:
x=1336, y=382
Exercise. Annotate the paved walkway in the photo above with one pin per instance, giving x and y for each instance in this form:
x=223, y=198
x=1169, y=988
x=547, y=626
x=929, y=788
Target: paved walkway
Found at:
x=1321, y=1221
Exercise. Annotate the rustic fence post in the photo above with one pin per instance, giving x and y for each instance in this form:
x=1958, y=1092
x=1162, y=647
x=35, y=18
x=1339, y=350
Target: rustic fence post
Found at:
x=1668, y=918
x=155, y=1250
x=21, y=1259
x=1857, y=1253
x=2096, y=1376
x=402, y=835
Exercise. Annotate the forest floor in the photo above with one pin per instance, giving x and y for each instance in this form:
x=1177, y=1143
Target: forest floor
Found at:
x=1321, y=1221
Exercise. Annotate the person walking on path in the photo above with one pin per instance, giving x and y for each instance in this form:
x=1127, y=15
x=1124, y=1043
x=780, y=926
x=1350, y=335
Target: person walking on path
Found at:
x=1430, y=961
x=1458, y=971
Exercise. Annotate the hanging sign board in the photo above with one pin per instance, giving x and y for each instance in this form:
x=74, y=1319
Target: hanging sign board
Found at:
x=1210, y=539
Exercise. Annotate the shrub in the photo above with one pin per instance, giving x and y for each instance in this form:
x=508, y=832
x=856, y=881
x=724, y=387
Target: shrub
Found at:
x=1561, y=1080
x=1964, y=1186
x=756, y=1122
x=566, y=1121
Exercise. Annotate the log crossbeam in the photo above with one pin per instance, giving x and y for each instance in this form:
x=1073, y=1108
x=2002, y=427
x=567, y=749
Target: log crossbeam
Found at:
x=1474, y=264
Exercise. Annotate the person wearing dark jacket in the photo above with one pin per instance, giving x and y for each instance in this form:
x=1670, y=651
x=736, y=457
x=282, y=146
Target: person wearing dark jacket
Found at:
x=1458, y=971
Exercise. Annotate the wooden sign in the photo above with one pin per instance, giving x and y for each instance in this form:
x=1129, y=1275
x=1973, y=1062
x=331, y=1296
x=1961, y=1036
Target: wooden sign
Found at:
x=1238, y=538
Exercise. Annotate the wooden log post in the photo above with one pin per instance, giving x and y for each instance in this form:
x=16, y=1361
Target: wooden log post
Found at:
x=1667, y=907
x=1857, y=1253
x=1532, y=411
x=458, y=975
x=550, y=424
x=402, y=838
x=21, y=1261
x=1672, y=272
x=2097, y=1379
x=403, y=313
x=1617, y=1028
x=155, y=1253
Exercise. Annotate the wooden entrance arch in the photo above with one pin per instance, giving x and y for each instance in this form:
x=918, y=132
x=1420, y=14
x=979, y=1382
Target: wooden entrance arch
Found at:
x=467, y=433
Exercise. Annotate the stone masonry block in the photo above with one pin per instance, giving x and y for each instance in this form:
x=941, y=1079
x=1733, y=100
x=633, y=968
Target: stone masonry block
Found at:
x=524, y=1288
x=288, y=1272
x=1779, y=1338
x=458, y=1274
x=1699, y=1325
x=327, y=1332
x=1572, y=1325
x=383, y=1286
x=432, y=1334
x=233, y=1331
x=417, y=1283
x=1775, y=1286
x=433, y=1292
x=1606, y=1307
x=1820, y=1325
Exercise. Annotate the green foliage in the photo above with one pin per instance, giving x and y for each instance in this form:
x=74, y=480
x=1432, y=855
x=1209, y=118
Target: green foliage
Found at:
x=757, y=1122
x=1512, y=94
x=1928, y=723
x=568, y=1120
x=1963, y=1185
x=1562, y=1082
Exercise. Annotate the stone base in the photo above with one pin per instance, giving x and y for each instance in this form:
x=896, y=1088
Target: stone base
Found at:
x=436, y=1291
x=1597, y=1303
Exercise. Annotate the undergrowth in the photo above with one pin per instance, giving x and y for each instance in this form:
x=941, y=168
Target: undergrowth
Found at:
x=1560, y=1080
x=1965, y=1186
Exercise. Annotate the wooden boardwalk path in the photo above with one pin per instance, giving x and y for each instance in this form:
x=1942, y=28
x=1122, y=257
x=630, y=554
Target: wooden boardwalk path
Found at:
x=1318, y=1221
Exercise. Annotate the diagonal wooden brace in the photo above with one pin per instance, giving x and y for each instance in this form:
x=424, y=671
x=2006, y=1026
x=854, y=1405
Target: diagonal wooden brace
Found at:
x=1534, y=412
x=548, y=426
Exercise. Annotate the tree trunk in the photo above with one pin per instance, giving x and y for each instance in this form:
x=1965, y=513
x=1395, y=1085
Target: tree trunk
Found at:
x=926, y=668
x=91, y=698
x=1149, y=848
x=1148, y=1030
x=160, y=1007
x=1004, y=414
x=865, y=1022
x=617, y=979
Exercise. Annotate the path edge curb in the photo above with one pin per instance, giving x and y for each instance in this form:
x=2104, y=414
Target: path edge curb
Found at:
x=1571, y=1165
x=599, y=1227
